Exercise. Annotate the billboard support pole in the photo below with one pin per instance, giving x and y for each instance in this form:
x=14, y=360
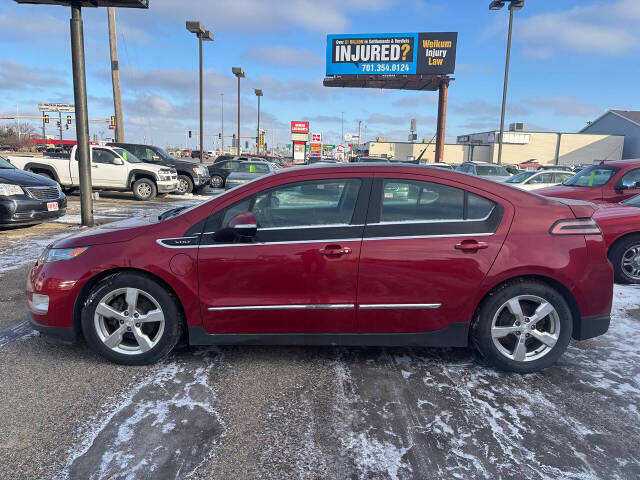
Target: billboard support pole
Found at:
x=115, y=74
x=44, y=132
x=82, y=117
x=442, y=119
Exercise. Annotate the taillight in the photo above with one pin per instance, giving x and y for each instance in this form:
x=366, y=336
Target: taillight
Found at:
x=575, y=226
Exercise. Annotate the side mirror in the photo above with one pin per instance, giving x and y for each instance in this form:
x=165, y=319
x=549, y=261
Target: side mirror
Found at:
x=628, y=185
x=118, y=161
x=241, y=227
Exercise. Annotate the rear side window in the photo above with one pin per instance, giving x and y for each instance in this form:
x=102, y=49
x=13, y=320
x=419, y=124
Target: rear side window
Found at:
x=412, y=200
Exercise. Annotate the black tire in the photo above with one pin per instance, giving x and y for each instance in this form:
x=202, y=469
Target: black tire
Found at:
x=144, y=189
x=493, y=304
x=185, y=185
x=616, y=254
x=173, y=320
x=217, y=181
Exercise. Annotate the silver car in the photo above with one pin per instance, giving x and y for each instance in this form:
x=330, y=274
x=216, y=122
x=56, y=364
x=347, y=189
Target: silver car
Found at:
x=247, y=171
x=488, y=171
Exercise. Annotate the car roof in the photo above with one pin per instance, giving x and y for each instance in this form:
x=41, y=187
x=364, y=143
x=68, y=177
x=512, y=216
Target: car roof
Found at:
x=629, y=162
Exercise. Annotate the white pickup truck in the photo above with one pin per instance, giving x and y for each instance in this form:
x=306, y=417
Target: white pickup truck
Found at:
x=112, y=168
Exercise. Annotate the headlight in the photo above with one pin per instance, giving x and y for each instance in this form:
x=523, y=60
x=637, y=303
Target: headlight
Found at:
x=200, y=170
x=165, y=171
x=165, y=178
x=60, y=254
x=8, y=189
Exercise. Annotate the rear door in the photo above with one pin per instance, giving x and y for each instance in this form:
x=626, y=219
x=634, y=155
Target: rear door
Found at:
x=299, y=274
x=427, y=246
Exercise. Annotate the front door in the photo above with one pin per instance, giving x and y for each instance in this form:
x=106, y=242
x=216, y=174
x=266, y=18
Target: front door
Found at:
x=427, y=246
x=104, y=172
x=625, y=187
x=298, y=275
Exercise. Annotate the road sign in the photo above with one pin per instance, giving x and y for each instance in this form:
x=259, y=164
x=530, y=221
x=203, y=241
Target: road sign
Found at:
x=300, y=127
x=56, y=107
x=112, y=127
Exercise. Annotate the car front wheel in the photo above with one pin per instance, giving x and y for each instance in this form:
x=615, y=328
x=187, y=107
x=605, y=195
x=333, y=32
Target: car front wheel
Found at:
x=185, y=185
x=625, y=257
x=144, y=189
x=130, y=319
x=523, y=327
x=217, y=181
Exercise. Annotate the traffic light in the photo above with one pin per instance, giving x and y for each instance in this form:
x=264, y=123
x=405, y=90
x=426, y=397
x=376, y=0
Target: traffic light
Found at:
x=46, y=119
x=68, y=120
x=113, y=121
x=67, y=126
x=219, y=135
x=189, y=133
x=58, y=124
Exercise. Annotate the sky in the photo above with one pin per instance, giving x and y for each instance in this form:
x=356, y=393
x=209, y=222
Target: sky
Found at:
x=571, y=61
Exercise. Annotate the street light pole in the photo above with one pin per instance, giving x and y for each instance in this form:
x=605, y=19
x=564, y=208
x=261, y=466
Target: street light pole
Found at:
x=222, y=113
x=82, y=116
x=513, y=5
x=258, y=93
x=239, y=73
x=203, y=35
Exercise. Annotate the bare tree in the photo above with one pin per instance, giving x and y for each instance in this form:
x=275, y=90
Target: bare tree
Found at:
x=17, y=136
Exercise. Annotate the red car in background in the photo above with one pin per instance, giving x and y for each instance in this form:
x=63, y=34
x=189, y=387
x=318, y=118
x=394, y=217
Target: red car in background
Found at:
x=620, y=224
x=607, y=182
x=365, y=254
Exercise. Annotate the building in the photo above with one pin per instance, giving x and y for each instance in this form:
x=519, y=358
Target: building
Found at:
x=546, y=148
x=619, y=122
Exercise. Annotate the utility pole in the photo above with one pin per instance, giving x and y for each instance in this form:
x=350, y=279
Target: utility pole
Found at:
x=341, y=128
x=239, y=73
x=359, y=125
x=259, y=94
x=115, y=74
x=60, y=125
x=44, y=132
x=222, y=112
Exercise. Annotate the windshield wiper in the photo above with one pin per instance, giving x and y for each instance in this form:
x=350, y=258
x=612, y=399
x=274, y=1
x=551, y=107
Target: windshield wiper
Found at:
x=170, y=213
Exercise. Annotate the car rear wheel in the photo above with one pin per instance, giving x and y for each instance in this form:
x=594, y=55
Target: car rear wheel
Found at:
x=625, y=257
x=185, y=185
x=217, y=181
x=523, y=327
x=130, y=319
x=144, y=189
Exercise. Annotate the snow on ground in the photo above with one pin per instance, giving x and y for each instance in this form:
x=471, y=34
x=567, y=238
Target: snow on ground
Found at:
x=26, y=249
x=165, y=427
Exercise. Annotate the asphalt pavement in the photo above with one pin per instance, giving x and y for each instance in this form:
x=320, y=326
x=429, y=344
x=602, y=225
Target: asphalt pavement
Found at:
x=306, y=412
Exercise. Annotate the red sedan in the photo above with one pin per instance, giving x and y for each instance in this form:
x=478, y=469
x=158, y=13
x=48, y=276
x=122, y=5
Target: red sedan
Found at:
x=620, y=224
x=340, y=255
x=608, y=182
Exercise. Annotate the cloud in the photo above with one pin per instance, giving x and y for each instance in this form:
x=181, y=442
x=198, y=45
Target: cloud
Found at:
x=595, y=28
x=564, y=106
x=281, y=55
x=481, y=108
x=16, y=76
x=417, y=100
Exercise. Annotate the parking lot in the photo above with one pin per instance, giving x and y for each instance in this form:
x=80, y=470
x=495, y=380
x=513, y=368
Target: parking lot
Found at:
x=305, y=412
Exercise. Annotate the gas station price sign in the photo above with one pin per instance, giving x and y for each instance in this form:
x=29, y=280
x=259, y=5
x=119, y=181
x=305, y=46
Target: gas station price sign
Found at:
x=422, y=53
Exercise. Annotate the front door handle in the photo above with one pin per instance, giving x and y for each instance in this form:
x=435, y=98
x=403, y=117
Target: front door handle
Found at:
x=471, y=245
x=94, y=166
x=334, y=250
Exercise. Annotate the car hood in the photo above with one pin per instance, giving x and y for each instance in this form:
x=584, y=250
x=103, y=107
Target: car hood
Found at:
x=563, y=191
x=24, y=179
x=121, y=231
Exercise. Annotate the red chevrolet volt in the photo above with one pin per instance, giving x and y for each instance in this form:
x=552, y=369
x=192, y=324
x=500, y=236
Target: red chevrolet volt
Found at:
x=366, y=254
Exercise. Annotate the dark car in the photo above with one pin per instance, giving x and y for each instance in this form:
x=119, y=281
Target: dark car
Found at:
x=224, y=165
x=191, y=175
x=330, y=255
x=27, y=198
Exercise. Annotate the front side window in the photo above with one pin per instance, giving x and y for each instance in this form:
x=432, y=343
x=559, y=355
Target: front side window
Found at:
x=491, y=171
x=127, y=155
x=252, y=168
x=562, y=177
x=542, y=178
x=5, y=163
x=310, y=203
x=413, y=200
x=520, y=177
x=594, y=176
x=103, y=156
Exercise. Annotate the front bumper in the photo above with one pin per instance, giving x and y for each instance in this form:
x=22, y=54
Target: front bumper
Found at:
x=167, y=186
x=590, y=327
x=199, y=180
x=24, y=210
x=63, y=334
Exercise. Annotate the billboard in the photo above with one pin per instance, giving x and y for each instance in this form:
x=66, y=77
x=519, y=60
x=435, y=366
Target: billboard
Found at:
x=300, y=127
x=56, y=107
x=424, y=53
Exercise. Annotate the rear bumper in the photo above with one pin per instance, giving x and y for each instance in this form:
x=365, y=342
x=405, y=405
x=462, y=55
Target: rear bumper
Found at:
x=590, y=327
x=65, y=335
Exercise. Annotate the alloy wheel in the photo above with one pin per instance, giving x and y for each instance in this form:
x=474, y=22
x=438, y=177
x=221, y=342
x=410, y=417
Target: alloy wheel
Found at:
x=144, y=190
x=216, y=181
x=630, y=263
x=129, y=321
x=525, y=328
x=182, y=186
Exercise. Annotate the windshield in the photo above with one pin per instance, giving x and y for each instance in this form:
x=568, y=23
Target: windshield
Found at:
x=594, y=176
x=252, y=168
x=127, y=155
x=5, y=164
x=491, y=170
x=632, y=202
x=520, y=177
x=162, y=153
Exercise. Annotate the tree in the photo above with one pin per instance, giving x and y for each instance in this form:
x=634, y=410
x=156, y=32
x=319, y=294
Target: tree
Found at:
x=17, y=136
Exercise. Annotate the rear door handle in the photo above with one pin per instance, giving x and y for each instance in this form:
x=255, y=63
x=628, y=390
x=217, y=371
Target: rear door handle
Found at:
x=334, y=250
x=471, y=245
